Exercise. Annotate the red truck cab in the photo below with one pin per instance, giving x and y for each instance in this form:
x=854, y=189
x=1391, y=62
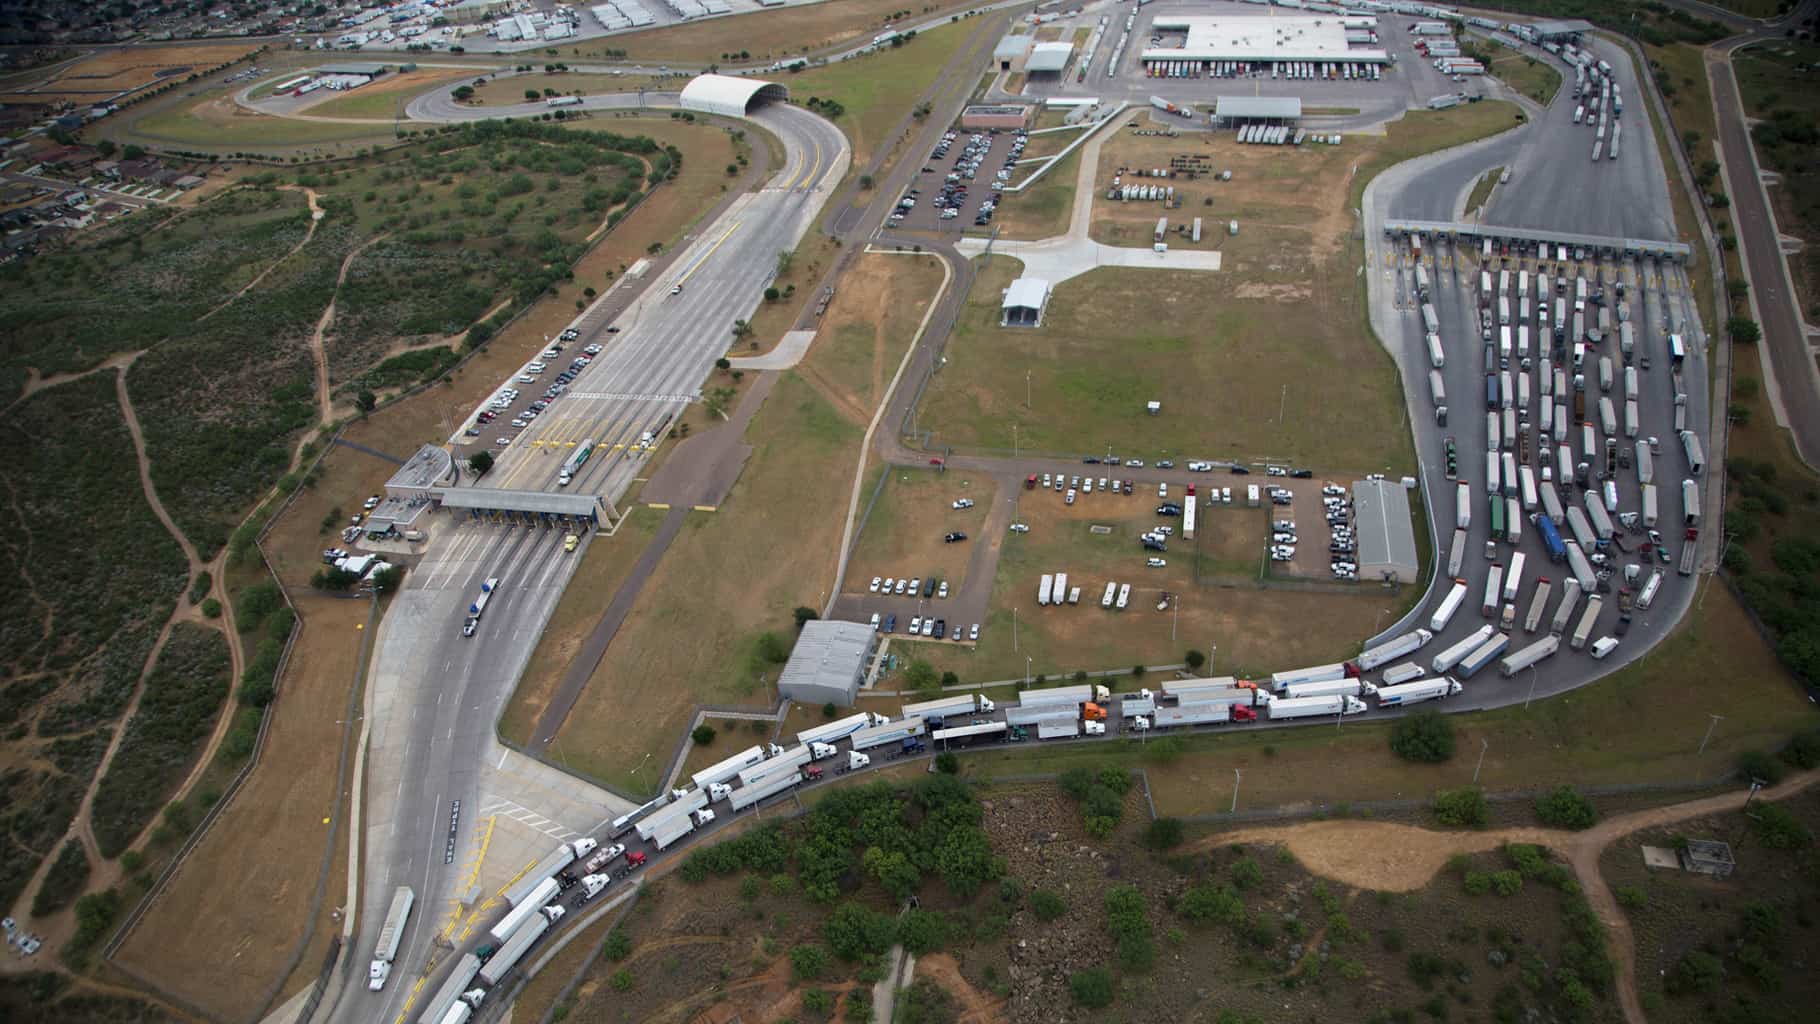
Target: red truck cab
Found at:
x=1030, y=482
x=1241, y=713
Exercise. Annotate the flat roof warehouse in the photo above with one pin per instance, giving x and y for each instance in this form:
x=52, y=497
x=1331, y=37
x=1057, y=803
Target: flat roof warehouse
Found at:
x=1262, y=40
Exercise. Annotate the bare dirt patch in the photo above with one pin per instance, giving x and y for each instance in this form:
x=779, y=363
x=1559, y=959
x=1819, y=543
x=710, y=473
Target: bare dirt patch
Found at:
x=767, y=35
x=904, y=534
x=109, y=73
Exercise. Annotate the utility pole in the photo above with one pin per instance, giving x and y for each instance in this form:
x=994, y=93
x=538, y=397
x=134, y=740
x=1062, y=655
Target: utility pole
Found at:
x=1282, y=404
x=1026, y=389
x=1014, y=630
x=1484, y=745
x=1710, y=726
x=1532, y=687
x=1235, y=791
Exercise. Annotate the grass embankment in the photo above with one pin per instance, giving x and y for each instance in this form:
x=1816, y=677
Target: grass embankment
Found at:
x=1643, y=724
x=870, y=94
x=732, y=578
x=1775, y=81
x=212, y=122
x=1680, y=74
x=1044, y=209
x=1481, y=190
x=767, y=35
x=1524, y=72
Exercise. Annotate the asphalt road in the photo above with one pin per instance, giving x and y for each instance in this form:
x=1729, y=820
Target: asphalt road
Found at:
x=1772, y=291
x=667, y=343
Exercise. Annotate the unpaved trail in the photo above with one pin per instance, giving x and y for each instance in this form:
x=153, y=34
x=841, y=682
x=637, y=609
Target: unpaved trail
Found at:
x=35, y=383
x=975, y=1007
x=319, y=351
x=316, y=215
x=1399, y=858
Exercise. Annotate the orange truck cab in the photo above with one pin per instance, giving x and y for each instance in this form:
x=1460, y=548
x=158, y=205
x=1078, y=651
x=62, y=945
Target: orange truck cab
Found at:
x=1092, y=711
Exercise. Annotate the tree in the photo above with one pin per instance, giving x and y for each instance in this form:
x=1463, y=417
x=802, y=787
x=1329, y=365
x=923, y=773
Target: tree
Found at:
x=1564, y=807
x=132, y=152
x=772, y=294
x=855, y=931
x=703, y=735
x=1743, y=330
x=1462, y=807
x=618, y=945
x=1778, y=829
x=773, y=648
x=950, y=679
x=1194, y=659
x=723, y=364
x=893, y=870
x=1163, y=833
x=480, y=463
x=533, y=94
x=947, y=763
x=1424, y=736
x=388, y=579
x=366, y=401
x=462, y=93
x=808, y=962
x=1092, y=987
x=105, y=147
x=784, y=259
x=741, y=329
x=829, y=710
x=1758, y=764
x=804, y=615
x=334, y=580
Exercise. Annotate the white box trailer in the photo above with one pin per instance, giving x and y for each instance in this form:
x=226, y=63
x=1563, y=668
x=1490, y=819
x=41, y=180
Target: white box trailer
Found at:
x=1513, y=521
x=1608, y=417
x=1052, y=727
x=1436, y=357
x=1354, y=687
x=548, y=865
x=1494, y=584
x=1632, y=420
x=1044, y=589
x=1650, y=511
x=1389, y=651
x=1133, y=704
x=789, y=760
x=671, y=830
x=1690, y=503
x=1647, y=596
x=724, y=770
x=1507, y=476
x=1526, y=477
x=1551, y=501
x=1630, y=381
x=1494, y=432
x=1462, y=516
x=1483, y=655
x=1529, y=656
x=1696, y=458
x=1537, y=605
x=768, y=786
x=1192, y=714
x=1066, y=695
x=1408, y=672
x=1456, y=596
x=542, y=893
x=1437, y=387
x=1504, y=343
x=1646, y=465
x=890, y=732
x=1452, y=656
x=1417, y=691
x=1588, y=618
x=1456, y=555
x=1596, y=516
x=514, y=948
x=1581, y=568
x=1578, y=525
x=841, y=729
x=1513, y=577
x=452, y=987
x=936, y=710
x=964, y=732
x=1314, y=707
x=1197, y=229
x=1570, y=595
x=1112, y=588
x=1314, y=674
x=678, y=809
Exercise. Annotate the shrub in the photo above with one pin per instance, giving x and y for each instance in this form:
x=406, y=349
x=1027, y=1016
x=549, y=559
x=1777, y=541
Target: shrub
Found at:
x=1779, y=829
x=1092, y=987
x=1047, y=905
x=621, y=980
x=1696, y=971
x=1425, y=736
x=808, y=962
x=948, y=763
x=1632, y=897
x=618, y=945
x=1246, y=873
x=1163, y=833
x=1564, y=807
x=1477, y=883
x=703, y=735
x=1464, y=807
x=1757, y=764
x=211, y=608
x=65, y=879
x=1507, y=883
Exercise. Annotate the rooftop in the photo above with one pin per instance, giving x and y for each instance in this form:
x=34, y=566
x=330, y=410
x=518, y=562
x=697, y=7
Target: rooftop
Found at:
x=828, y=656
x=1258, y=106
x=1385, y=530
x=1262, y=38
x=1049, y=57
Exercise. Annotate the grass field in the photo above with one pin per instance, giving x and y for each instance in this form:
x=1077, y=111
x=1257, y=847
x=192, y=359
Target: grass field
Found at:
x=735, y=574
x=877, y=90
x=1534, y=78
x=213, y=122
x=511, y=89
x=903, y=536
x=385, y=97
x=1481, y=190
x=1680, y=73
x=1043, y=209
x=108, y=74
x=1632, y=727
x=768, y=35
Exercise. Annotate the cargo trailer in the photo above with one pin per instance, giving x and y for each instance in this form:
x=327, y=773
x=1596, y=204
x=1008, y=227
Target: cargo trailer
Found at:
x=721, y=771
x=1690, y=503
x=1314, y=707
x=1437, y=388
x=513, y=949
x=1537, y=605
x=768, y=786
x=1690, y=446
x=1513, y=576
x=1494, y=583
x=1551, y=501
x=1513, y=521
x=1597, y=515
x=1527, y=479
x=841, y=729
x=1354, y=687
x=1408, y=672
x=1456, y=555
x=544, y=892
x=890, y=732
x=1581, y=568
x=1570, y=595
x=678, y=809
x=1483, y=655
x=1507, y=475
x=788, y=761
x=453, y=986
x=1450, y=604
x=1436, y=358
x=1057, y=727
x=1578, y=525
x=1649, y=505
x=1316, y=674
x=1584, y=628
x=1646, y=465
x=1417, y=691
x=1385, y=653
x=1647, y=595
x=1197, y=714
x=1529, y=656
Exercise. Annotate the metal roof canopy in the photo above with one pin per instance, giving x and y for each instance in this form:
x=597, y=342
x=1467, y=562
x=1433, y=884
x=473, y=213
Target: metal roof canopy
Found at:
x=828, y=657
x=1556, y=29
x=1386, y=532
x=430, y=466
x=352, y=69
x=1013, y=46
x=1453, y=229
x=1049, y=57
x=725, y=94
x=489, y=499
x=1258, y=106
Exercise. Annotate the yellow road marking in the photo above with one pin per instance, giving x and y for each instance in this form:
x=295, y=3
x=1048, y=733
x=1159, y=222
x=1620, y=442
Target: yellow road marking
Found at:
x=711, y=249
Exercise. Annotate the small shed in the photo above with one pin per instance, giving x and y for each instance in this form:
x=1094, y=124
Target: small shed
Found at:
x=1024, y=302
x=828, y=663
x=1708, y=857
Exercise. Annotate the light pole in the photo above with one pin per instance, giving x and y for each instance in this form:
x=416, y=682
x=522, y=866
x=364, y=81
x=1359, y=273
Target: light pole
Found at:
x=1484, y=745
x=641, y=767
x=1710, y=726
x=1014, y=442
x=1014, y=631
x=1026, y=389
x=1532, y=687
x=1235, y=791
x=1027, y=667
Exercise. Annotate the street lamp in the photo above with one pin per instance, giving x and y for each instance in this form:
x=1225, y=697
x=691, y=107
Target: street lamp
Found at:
x=1532, y=687
x=1235, y=791
x=1484, y=745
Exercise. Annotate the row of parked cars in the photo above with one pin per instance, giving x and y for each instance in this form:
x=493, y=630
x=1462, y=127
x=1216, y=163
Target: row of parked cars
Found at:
x=501, y=403
x=929, y=626
x=908, y=586
x=1342, y=545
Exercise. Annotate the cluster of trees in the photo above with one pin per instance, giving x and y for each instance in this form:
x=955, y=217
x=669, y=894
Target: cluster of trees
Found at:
x=1101, y=795
x=1784, y=595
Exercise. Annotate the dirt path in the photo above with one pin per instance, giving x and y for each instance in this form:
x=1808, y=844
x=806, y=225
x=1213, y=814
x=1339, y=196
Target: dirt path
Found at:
x=318, y=351
x=316, y=215
x=1401, y=858
x=973, y=1006
x=34, y=382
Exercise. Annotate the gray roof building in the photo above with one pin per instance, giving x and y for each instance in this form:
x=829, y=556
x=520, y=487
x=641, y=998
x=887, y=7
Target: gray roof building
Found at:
x=828, y=663
x=1024, y=302
x=1387, y=536
x=1557, y=30
x=1048, y=57
x=1281, y=108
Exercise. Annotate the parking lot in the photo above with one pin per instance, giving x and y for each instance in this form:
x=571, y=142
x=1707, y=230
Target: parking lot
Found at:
x=960, y=181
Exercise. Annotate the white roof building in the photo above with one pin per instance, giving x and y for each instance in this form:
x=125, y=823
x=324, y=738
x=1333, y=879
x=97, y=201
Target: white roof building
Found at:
x=729, y=96
x=1261, y=40
x=1024, y=302
x=1048, y=57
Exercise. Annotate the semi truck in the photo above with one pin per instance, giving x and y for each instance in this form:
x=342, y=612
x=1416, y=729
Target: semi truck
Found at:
x=1202, y=713
x=672, y=822
x=437, y=1009
x=1482, y=655
x=1690, y=551
x=1355, y=687
x=390, y=934
x=1069, y=695
x=1452, y=656
x=1418, y=691
x=1551, y=539
x=1582, y=530
x=544, y=892
x=1551, y=498
x=936, y=710
x=1537, y=603
x=514, y=948
x=1529, y=656
x=1314, y=707
x=1449, y=605
x=765, y=786
x=840, y=729
x=890, y=732
x=1584, y=628
x=721, y=771
x=1436, y=358
x=1389, y=651
x=552, y=862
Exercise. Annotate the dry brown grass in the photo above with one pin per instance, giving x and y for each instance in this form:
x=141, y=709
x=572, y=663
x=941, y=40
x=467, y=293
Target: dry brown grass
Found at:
x=109, y=73
x=767, y=35
x=268, y=841
x=511, y=89
x=903, y=536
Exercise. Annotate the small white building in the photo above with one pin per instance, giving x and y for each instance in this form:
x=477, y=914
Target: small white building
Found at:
x=1024, y=302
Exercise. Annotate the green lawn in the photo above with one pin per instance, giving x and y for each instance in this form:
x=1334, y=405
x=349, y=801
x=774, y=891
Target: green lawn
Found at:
x=1481, y=190
x=1042, y=210
x=876, y=90
x=182, y=127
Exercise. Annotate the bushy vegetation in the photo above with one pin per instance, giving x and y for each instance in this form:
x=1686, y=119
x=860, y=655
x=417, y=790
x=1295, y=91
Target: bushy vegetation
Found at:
x=1565, y=807
x=1424, y=736
x=1101, y=794
x=1652, y=22
x=64, y=880
x=42, y=997
x=1785, y=595
x=182, y=697
x=1463, y=807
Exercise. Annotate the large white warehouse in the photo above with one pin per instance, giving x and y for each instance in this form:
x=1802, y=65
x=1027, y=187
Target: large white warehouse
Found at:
x=1263, y=40
x=725, y=94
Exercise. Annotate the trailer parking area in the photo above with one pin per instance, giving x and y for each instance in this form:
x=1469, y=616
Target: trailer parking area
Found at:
x=905, y=535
